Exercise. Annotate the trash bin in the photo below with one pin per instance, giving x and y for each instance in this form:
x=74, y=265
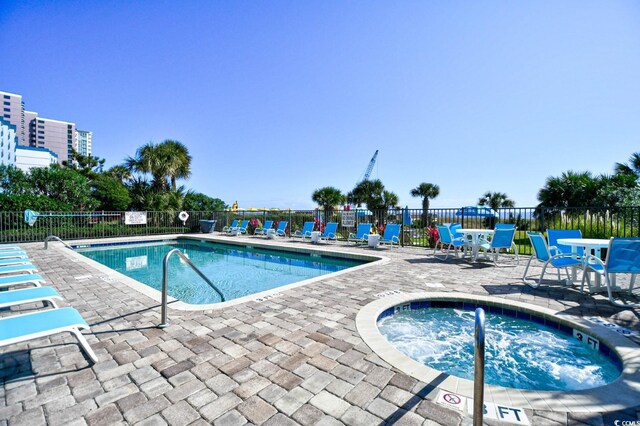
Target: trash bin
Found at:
x=207, y=226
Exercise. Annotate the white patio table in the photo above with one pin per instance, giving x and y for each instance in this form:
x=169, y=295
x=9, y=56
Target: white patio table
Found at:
x=473, y=235
x=590, y=246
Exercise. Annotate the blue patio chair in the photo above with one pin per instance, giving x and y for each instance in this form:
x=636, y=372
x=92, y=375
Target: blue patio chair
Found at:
x=13, y=254
x=623, y=257
x=263, y=231
x=25, y=327
x=362, y=233
x=16, y=269
x=501, y=239
x=233, y=225
x=391, y=235
x=14, y=280
x=553, y=235
x=542, y=254
x=242, y=228
x=446, y=239
x=14, y=261
x=330, y=232
x=505, y=226
x=306, y=231
x=282, y=228
x=29, y=295
x=454, y=227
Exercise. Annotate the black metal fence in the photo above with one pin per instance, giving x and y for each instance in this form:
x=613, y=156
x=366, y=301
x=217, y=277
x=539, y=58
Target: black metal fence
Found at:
x=417, y=229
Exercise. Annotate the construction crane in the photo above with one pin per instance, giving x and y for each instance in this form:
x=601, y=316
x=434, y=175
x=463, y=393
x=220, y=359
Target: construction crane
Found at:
x=372, y=163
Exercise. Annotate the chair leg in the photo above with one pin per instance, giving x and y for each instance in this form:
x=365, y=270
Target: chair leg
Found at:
x=530, y=283
x=515, y=249
x=85, y=345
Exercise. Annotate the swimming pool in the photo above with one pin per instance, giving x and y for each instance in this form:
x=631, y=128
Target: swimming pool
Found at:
x=237, y=270
x=523, y=351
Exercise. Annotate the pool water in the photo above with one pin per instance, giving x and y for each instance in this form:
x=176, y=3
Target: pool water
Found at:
x=519, y=353
x=236, y=270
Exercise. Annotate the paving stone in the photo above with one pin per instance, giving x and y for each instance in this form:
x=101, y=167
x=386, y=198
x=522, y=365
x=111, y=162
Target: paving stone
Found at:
x=31, y=417
x=317, y=382
x=323, y=363
x=430, y=409
x=256, y=410
x=104, y=416
x=116, y=394
x=293, y=400
x=59, y=404
x=155, y=420
x=285, y=379
x=347, y=374
x=180, y=413
x=177, y=368
x=147, y=409
x=272, y=393
x=21, y=393
x=329, y=421
x=155, y=387
x=144, y=374
x=185, y=390
x=131, y=401
x=103, y=376
x=64, y=417
x=232, y=418
x=215, y=409
x=307, y=415
x=357, y=417
x=339, y=387
x=408, y=418
x=251, y=387
x=236, y=365
x=47, y=396
x=280, y=420
x=221, y=384
x=402, y=381
x=396, y=395
x=362, y=394
x=201, y=398
x=330, y=404
x=382, y=408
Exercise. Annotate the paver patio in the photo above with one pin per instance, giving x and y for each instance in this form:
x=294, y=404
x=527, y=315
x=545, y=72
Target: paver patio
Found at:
x=293, y=359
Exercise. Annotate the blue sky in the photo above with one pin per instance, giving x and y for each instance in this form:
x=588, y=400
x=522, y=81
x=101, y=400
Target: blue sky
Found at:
x=275, y=99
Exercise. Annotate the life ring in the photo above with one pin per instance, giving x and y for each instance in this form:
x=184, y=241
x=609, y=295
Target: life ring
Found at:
x=183, y=216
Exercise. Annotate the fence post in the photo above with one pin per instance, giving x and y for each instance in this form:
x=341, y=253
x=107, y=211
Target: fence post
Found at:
x=542, y=218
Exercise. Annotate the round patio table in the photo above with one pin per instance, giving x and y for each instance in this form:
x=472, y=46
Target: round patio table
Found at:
x=589, y=245
x=472, y=235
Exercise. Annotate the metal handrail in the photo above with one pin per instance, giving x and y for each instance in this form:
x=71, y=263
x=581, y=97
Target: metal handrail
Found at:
x=478, y=370
x=53, y=237
x=165, y=282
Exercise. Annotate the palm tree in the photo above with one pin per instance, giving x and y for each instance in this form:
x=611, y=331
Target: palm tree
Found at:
x=367, y=192
x=120, y=172
x=571, y=189
x=426, y=191
x=327, y=198
x=169, y=160
x=496, y=200
x=632, y=168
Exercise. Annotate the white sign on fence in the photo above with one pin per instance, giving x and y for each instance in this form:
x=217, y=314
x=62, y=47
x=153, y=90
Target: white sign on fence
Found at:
x=135, y=218
x=348, y=219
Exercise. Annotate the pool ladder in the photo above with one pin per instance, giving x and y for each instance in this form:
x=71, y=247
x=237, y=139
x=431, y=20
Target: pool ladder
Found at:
x=51, y=238
x=478, y=370
x=165, y=282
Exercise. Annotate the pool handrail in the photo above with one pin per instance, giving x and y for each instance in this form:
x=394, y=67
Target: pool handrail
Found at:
x=478, y=370
x=165, y=283
x=53, y=237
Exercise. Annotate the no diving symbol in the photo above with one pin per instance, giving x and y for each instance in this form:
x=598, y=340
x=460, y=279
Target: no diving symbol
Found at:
x=451, y=398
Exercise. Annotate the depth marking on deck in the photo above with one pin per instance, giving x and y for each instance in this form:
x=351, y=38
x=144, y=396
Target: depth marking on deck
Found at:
x=267, y=297
x=612, y=326
x=387, y=293
x=83, y=277
x=493, y=411
x=107, y=278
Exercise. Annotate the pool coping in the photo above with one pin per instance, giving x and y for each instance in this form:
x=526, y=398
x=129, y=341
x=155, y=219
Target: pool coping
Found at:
x=156, y=295
x=622, y=393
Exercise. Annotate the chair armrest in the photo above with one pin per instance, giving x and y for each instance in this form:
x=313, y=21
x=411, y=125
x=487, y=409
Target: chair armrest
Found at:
x=592, y=260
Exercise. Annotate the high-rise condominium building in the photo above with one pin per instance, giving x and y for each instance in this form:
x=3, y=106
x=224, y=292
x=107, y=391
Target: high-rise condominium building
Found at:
x=8, y=142
x=84, y=142
x=58, y=136
x=13, y=113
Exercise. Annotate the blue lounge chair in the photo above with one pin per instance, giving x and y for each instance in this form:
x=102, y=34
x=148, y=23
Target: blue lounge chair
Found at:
x=502, y=238
x=12, y=254
x=28, y=269
x=306, y=231
x=25, y=327
x=554, y=234
x=391, y=234
x=446, y=239
x=263, y=231
x=282, y=228
x=542, y=254
x=29, y=295
x=13, y=280
x=233, y=225
x=242, y=228
x=330, y=232
x=623, y=257
x=362, y=233
x=14, y=261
